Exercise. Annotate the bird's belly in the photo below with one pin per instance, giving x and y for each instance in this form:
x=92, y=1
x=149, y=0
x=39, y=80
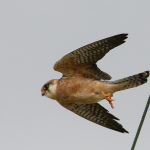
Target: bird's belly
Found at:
x=81, y=93
x=86, y=98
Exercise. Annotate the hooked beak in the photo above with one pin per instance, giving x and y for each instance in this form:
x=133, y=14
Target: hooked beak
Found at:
x=43, y=94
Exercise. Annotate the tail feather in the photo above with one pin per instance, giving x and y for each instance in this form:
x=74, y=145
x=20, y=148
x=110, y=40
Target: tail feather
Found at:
x=131, y=81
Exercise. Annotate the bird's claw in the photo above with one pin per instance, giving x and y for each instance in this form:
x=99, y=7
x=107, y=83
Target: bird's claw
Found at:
x=108, y=98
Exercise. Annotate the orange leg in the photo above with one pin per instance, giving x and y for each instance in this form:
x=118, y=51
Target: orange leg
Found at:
x=108, y=98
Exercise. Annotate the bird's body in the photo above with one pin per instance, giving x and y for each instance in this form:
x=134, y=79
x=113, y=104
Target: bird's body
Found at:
x=83, y=84
x=80, y=90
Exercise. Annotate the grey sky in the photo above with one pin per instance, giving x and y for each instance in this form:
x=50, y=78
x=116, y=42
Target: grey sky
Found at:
x=34, y=34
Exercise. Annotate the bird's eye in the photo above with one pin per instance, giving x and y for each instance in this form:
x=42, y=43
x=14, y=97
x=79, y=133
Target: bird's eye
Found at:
x=46, y=87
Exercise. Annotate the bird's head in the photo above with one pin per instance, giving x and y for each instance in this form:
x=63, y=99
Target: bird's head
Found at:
x=49, y=89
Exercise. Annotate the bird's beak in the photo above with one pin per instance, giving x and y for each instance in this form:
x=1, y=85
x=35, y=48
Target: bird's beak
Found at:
x=43, y=93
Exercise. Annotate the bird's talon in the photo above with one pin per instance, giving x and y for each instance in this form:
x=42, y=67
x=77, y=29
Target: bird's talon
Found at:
x=111, y=104
x=108, y=98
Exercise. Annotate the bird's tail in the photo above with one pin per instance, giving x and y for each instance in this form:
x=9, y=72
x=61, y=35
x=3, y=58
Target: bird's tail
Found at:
x=130, y=82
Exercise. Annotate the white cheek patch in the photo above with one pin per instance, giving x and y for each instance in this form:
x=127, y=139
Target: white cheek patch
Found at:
x=52, y=88
x=52, y=91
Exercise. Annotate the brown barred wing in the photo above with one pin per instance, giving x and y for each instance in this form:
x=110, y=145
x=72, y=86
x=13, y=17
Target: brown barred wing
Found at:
x=83, y=60
x=97, y=114
x=91, y=53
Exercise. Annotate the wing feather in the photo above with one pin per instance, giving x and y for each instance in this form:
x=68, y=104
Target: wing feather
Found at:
x=97, y=114
x=91, y=53
x=82, y=60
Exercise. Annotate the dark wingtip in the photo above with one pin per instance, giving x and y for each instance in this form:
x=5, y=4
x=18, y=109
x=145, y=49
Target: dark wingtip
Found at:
x=124, y=131
x=117, y=40
x=121, y=129
x=147, y=73
x=123, y=36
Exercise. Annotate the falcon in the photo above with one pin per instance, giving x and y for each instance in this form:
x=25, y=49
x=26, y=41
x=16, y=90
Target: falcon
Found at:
x=83, y=84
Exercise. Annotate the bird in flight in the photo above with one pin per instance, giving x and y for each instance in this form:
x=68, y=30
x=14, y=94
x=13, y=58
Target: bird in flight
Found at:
x=83, y=84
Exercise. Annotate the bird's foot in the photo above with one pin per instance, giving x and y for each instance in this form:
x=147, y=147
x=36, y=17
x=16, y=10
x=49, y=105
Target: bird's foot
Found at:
x=108, y=98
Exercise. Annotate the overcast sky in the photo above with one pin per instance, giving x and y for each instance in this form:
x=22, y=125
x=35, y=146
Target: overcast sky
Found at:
x=34, y=34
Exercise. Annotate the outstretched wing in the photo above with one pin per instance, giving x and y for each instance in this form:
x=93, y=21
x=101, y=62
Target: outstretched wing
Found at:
x=97, y=114
x=83, y=60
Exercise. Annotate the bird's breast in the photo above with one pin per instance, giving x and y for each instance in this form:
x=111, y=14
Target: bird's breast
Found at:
x=79, y=90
